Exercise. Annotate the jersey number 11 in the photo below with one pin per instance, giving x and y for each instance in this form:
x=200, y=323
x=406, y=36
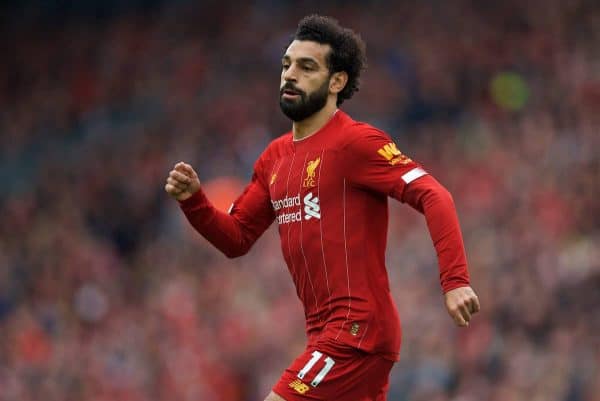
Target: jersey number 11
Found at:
x=309, y=365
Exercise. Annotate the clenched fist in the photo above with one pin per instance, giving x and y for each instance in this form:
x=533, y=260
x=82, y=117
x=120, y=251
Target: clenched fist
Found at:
x=462, y=303
x=182, y=182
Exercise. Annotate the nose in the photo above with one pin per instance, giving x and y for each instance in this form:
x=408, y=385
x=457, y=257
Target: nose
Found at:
x=289, y=74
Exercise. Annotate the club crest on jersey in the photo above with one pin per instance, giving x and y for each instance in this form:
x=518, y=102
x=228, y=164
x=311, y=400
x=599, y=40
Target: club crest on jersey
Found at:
x=311, y=166
x=391, y=153
x=354, y=329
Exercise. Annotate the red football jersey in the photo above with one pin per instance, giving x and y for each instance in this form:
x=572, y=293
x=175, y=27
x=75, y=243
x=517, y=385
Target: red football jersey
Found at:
x=328, y=194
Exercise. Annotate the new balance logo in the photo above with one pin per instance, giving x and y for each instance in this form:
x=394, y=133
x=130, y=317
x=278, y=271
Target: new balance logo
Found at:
x=299, y=386
x=311, y=207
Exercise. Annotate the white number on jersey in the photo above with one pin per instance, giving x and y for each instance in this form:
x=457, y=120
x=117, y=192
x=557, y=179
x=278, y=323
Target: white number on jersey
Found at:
x=310, y=364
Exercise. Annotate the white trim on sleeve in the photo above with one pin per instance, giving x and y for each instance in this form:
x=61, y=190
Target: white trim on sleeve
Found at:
x=413, y=175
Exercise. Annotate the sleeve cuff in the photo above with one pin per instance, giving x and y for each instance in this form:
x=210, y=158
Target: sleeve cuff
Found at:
x=452, y=285
x=193, y=202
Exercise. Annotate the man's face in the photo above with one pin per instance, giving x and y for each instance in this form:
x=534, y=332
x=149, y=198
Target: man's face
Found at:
x=304, y=87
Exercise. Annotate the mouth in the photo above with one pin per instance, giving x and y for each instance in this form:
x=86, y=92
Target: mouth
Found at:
x=290, y=93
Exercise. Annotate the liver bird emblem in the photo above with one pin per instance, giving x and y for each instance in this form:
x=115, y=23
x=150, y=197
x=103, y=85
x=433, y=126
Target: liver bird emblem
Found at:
x=311, y=166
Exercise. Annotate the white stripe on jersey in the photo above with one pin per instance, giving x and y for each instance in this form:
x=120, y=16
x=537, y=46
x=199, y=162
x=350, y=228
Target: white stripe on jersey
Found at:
x=363, y=336
x=413, y=175
x=289, y=226
x=347, y=269
x=321, y=227
x=302, y=246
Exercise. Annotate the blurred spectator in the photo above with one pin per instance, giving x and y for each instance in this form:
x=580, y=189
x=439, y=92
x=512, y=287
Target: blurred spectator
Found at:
x=500, y=101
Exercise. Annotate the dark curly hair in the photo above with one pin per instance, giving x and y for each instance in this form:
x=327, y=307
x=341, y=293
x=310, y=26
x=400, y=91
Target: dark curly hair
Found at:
x=348, y=50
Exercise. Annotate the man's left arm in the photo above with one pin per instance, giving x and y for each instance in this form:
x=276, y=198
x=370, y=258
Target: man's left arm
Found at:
x=377, y=164
x=429, y=197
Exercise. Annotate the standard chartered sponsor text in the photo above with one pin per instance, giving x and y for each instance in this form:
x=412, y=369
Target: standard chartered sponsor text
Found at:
x=311, y=208
x=286, y=218
x=286, y=202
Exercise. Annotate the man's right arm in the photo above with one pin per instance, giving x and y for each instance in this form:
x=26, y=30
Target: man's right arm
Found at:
x=232, y=233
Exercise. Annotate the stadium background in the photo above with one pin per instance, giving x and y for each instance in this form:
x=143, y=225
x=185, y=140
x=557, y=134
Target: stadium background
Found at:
x=107, y=294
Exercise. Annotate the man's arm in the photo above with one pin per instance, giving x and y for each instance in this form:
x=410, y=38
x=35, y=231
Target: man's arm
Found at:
x=377, y=164
x=233, y=233
x=429, y=197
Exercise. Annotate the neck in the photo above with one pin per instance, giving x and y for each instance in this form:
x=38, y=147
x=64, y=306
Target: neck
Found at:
x=308, y=126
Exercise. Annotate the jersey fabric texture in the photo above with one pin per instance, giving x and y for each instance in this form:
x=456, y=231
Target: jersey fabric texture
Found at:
x=328, y=194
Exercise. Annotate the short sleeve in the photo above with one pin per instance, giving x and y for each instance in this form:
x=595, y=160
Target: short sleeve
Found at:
x=376, y=163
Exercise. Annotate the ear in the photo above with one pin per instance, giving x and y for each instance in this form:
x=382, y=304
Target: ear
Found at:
x=338, y=82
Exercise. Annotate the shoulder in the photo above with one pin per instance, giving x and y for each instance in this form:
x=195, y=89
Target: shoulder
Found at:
x=366, y=142
x=359, y=136
x=276, y=148
x=281, y=142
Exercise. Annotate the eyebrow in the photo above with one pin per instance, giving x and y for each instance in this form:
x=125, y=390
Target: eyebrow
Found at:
x=307, y=60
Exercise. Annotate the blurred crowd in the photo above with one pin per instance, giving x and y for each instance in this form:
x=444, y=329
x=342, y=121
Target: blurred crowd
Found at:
x=106, y=293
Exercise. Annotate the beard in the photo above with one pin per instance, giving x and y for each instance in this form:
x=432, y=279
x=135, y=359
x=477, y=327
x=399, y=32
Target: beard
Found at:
x=305, y=105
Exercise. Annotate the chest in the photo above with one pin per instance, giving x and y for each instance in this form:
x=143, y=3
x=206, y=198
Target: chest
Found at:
x=302, y=184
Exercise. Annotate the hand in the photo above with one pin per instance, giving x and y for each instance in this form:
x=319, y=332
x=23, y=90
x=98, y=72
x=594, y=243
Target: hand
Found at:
x=462, y=303
x=182, y=182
